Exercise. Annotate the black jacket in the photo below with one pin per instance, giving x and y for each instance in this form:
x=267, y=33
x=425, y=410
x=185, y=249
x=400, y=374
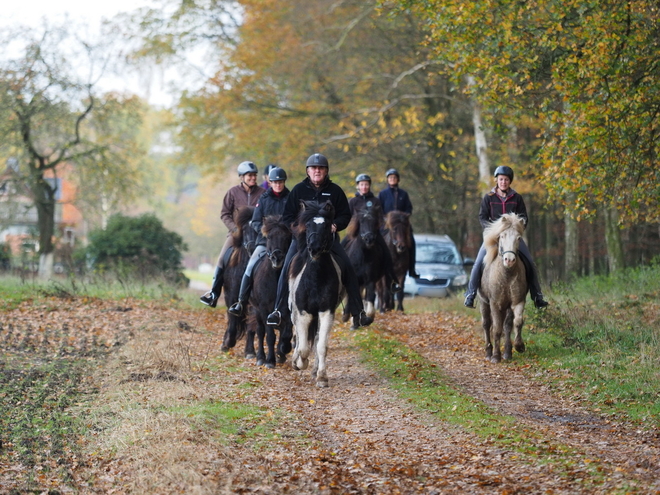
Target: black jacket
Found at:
x=269, y=204
x=305, y=190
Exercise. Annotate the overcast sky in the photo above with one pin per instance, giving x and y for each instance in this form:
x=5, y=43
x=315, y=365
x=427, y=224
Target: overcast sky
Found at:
x=90, y=13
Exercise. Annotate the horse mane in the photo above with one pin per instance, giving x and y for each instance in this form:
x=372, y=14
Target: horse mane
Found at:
x=396, y=217
x=242, y=217
x=495, y=229
x=353, y=229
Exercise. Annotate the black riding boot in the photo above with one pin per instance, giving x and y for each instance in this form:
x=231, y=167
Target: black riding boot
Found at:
x=238, y=308
x=212, y=296
x=533, y=282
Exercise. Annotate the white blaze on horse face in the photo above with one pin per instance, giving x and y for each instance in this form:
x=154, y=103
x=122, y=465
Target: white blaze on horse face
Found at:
x=319, y=220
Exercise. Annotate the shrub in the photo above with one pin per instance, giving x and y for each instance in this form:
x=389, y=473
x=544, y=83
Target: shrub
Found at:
x=138, y=246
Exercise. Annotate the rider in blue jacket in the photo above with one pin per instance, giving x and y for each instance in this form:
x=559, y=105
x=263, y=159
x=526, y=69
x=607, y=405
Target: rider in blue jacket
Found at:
x=500, y=200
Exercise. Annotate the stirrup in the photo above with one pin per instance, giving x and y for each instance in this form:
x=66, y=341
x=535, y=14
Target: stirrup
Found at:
x=274, y=319
x=236, y=309
x=210, y=299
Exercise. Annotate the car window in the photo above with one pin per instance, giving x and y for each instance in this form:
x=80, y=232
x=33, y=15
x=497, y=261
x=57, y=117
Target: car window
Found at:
x=428, y=252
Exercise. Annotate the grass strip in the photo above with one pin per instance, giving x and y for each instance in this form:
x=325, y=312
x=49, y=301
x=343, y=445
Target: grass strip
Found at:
x=422, y=384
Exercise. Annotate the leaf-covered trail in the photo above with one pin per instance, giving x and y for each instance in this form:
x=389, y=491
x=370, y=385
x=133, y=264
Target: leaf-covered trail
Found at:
x=357, y=436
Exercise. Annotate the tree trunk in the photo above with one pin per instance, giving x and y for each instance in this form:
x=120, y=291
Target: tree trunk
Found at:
x=571, y=258
x=615, y=260
x=480, y=141
x=45, y=204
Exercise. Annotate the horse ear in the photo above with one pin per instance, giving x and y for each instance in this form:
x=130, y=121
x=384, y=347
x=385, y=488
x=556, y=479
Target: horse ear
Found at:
x=327, y=206
x=303, y=206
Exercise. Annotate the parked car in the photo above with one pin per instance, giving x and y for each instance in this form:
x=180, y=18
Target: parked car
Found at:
x=441, y=268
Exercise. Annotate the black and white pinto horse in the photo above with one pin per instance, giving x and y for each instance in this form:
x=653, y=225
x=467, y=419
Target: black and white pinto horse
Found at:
x=243, y=245
x=265, y=275
x=367, y=255
x=315, y=287
x=503, y=287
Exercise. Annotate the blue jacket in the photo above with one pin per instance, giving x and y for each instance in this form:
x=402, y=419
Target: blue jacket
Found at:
x=386, y=197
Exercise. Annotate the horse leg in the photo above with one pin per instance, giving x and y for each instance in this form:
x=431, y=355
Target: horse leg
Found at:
x=326, y=320
x=496, y=333
x=261, y=333
x=399, y=301
x=270, y=340
x=518, y=320
x=284, y=343
x=249, y=342
x=370, y=299
x=300, y=360
x=229, y=340
x=508, y=323
x=486, y=325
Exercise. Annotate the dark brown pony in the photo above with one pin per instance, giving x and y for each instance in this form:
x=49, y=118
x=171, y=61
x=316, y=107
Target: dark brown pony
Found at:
x=262, y=298
x=367, y=254
x=398, y=237
x=503, y=287
x=242, y=246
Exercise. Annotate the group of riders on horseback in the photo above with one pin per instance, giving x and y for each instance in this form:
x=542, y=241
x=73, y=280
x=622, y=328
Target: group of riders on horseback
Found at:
x=276, y=200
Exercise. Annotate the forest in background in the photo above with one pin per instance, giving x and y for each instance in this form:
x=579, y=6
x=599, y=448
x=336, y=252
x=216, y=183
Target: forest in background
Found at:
x=566, y=93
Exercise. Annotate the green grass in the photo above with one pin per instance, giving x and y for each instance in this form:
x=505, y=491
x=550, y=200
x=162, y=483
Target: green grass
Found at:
x=600, y=340
x=422, y=384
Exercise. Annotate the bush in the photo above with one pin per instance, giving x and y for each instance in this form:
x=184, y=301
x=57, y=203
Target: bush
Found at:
x=138, y=246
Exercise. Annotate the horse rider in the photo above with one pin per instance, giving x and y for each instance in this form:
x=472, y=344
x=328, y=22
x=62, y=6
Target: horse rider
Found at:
x=246, y=193
x=393, y=198
x=317, y=186
x=500, y=200
x=364, y=200
x=270, y=203
x=266, y=175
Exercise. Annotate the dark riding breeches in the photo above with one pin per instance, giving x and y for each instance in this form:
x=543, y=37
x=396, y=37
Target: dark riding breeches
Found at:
x=530, y=271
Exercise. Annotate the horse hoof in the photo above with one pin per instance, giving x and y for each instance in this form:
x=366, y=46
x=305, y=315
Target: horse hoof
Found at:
x=270, y=366
x=495, y=360
x=519, y=347
x=260, y=362
x=224, y=348
x=322, y=383
x=507, y=356
x=281, y=359
x=250, y=356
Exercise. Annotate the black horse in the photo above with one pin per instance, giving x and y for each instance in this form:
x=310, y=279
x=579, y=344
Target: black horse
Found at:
x=315, y=287
x=243, y=244
x=367, y=251
x=398, y=238
x=262, y=299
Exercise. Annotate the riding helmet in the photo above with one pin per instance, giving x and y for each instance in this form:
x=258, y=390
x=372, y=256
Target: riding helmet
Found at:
x=247, y=168
x=276, y=173
x=504, y=170
x=268, y=168
x=317, y=160
x=392, y=171
x=362, y=177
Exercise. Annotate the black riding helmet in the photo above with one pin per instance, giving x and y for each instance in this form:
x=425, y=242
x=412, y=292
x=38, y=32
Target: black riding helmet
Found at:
x=317, y=160
x=268, y=168
x=504, y=170
x=362, y=177
x=276, y=173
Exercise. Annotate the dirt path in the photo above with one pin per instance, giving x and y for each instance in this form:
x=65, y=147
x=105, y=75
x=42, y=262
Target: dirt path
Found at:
x=356, y=436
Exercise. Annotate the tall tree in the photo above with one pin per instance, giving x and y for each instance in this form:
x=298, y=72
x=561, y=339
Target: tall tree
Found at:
x=46, y=104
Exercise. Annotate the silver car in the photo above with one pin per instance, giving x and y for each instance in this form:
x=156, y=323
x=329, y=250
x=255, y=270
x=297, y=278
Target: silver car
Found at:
x=440, y=266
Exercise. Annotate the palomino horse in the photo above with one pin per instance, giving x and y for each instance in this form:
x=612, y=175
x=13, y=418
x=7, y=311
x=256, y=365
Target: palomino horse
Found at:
x=503, y=287
x=398, y=238
x=367, y=254
x=262, y=298
x=315, y=287
x=243, y=244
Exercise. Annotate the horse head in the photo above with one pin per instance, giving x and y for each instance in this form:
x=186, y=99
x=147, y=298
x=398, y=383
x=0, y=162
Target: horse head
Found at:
x=316, y=222
x=365, y=224
x=398, y=225
x=278, y=239
x=505, y=234
x=244, y=236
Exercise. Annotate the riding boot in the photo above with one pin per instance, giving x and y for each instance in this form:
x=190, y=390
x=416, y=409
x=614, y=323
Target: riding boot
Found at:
x=533, y=282
x=475, y=279
x=212, y=296
x=412, y=257
x=238, y=308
